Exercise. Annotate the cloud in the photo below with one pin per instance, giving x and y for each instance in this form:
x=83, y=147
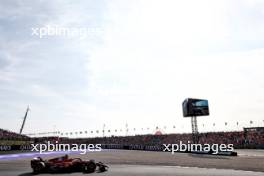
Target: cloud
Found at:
x=157, y=54
x=3, y=60
x=48, y=74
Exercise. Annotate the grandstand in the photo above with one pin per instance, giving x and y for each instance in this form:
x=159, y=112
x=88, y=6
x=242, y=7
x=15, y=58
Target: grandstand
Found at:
x=252, y=139
x=11, y=138
x=249, y=138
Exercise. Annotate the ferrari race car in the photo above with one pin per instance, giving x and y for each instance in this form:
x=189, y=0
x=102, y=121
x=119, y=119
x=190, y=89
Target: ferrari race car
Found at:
x=66, y=165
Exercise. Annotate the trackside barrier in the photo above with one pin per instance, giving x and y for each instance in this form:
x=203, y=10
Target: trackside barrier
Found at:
x=132, y=147
x=120, y=146
x=161, y=148
x=112, y=146
x=15, y=147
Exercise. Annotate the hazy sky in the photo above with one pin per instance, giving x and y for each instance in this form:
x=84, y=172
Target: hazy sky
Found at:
x=143, y=60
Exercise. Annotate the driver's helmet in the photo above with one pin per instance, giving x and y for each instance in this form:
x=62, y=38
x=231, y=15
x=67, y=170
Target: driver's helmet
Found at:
x=66, y=157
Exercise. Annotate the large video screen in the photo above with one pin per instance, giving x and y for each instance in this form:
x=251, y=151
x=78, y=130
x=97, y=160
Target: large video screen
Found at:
x=195, y=107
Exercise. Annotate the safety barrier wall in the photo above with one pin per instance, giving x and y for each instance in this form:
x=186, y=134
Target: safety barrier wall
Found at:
x=113, y=146
x=15, y=147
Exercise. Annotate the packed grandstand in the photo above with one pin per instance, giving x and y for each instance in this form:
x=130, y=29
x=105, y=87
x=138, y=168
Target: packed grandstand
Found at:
x=11, y=138
x=252, y=138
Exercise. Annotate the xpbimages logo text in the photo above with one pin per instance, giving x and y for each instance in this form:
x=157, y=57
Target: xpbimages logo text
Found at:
x=64, y=31
x=190, y=147
x=51, y=147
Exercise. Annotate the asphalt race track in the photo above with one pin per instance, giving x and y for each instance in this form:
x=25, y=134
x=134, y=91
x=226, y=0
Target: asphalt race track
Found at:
x=144, y=170
x=140, y=163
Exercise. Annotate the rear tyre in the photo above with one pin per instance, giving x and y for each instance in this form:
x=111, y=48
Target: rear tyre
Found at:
x=38, y=168
x=89, y=167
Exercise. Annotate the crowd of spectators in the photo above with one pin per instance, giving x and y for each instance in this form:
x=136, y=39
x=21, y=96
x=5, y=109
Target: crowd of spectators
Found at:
x=12, y=136
x=240, y=139
x=254, y=138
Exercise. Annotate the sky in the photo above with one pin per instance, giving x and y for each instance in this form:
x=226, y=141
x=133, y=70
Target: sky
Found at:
x=136, y=63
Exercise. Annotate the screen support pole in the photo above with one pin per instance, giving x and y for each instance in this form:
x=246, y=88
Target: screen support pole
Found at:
x=195, y=134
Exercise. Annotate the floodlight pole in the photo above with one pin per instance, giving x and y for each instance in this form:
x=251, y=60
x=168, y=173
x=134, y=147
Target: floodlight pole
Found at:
x=195, y=134
x=24, y=121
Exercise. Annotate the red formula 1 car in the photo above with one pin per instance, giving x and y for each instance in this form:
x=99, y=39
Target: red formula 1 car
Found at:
x=66, y=164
